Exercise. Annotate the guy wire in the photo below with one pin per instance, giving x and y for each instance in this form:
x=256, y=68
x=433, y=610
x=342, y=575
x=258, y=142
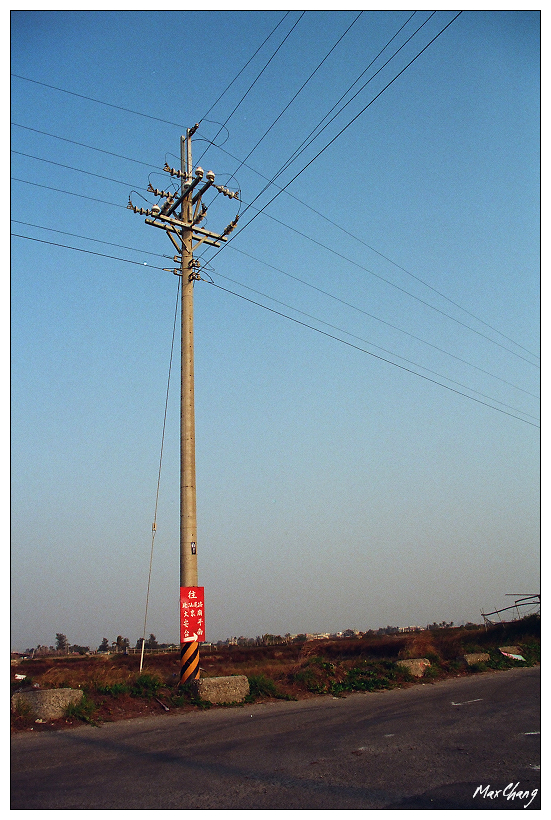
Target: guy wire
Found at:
x=154, y=527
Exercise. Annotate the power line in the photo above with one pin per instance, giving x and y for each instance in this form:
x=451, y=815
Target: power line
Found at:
x=319, y=290
x=382, y=321
x=245, y=66
x=262, y=210
x=71, y=193
x=388, y=282
x=305, y=204
x=258, y=77
x=301, y=149
x=379, y=253
x=305, y=83
x=91, y=239
x=99, y=102
x=72, y=168
x=369, y=353
x=119, y=259
x=409, y=273
x=83, y=250
x=378, y=347
x=310, y=138
x=346, y=126
x=84, y=145
x=316, y=242
x=326, y=248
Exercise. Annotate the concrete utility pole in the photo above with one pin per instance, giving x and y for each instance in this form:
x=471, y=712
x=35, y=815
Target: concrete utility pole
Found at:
x=183, y=231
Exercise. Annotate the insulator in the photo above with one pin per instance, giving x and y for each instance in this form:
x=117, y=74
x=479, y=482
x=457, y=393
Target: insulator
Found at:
x=231, y=226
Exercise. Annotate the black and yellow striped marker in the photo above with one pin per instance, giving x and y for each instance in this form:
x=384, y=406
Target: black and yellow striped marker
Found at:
x=189, y=662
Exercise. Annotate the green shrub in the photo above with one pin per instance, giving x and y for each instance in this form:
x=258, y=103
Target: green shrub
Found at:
x=262, y=686
x=83, y=710
x=146, y=686
x=532, y=652
x=478, y=667
x=113, y=689
x=22, y=709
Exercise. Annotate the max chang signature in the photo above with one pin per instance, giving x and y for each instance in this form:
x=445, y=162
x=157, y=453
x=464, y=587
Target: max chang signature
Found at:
x=510, y=792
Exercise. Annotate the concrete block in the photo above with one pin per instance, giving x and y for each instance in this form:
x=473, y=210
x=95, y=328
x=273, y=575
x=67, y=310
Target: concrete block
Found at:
x=476, y=657
x=415, y=666
x=47, y=704
x=231, y=689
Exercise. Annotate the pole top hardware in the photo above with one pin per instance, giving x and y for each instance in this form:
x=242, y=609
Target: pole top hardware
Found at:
x=226, y=192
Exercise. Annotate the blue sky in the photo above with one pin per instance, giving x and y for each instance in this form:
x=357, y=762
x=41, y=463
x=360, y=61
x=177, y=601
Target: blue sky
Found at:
x=369, y=457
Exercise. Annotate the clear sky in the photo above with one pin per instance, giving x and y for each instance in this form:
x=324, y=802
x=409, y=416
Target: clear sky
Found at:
x=367, y=415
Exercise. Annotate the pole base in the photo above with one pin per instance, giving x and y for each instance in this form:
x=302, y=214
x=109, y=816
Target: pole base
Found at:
x=189, y=662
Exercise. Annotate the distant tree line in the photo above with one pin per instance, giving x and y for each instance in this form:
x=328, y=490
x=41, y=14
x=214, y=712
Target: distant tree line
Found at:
x=121, y=644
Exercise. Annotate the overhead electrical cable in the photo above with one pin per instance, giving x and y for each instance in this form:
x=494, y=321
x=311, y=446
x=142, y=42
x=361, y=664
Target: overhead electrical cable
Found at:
x=313, y=135
x=283, y=189
x=84, y=250
x=71, y=193
x=372, y=344
x=309, y=207
x=84, y=145
x=359, y=114
x=413, y=275
x=321, y=245
x=336, y=338
x=379, y=253
x=382, y=321
x=325, y=293
x=99, y=102
x=261, y=210
x=91, y=239
x=258, y=76
x=245, y=66
x=369, y=353
x=305, y=83
x=394, y=285
x=305, y=144
x=72, y=168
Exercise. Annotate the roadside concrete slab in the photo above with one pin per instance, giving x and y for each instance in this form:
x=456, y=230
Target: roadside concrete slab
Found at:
x=230, y=689
x=46, y=704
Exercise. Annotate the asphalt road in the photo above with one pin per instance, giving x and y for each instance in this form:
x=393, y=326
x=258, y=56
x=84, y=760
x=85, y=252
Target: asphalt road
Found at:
x=427, y=747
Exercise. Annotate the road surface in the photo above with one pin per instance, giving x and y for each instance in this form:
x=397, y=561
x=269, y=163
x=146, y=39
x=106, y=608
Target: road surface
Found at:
x=426, y=747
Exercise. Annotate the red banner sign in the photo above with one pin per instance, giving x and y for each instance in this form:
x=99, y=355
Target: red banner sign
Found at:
x=192, y=614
